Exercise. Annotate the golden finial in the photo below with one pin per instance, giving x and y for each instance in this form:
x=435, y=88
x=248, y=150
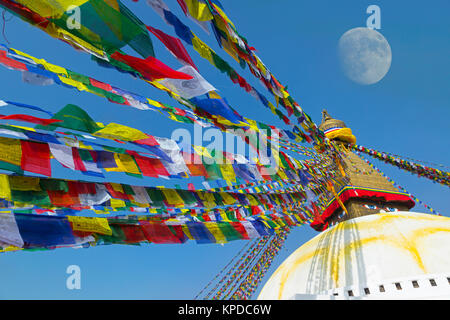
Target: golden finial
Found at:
x=325, y=115
x=329, y=122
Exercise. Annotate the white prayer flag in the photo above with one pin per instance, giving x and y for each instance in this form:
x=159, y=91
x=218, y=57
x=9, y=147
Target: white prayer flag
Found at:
x=36, y=79
x=9, y=231
x=189, y=88
x=63, y=154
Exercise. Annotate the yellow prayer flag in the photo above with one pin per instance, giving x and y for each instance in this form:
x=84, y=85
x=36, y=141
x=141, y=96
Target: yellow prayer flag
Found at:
x=125, y=163
x=23, y=127
x=88, y=224
x=214, y=95
x=253, y=124
x=117, y=187
x=225, y=217
x=53, y=9
x=187, y=232
x=227, y=199
x=128, y=163
x=199, y=10
x=207, y=198
x=10, y=248
x=116, y=203
x=155, y=103
x=173, y=197
x=73, y=83
x=222, y=14
x=261, y=66
x=100, y=211
x=202, y=151
x=121, y=132
x=228, y=172
x=216, y=232
x=10, y=151
x=282, y=174
x=202, y=48
x=5, y=189
x=59, y=33
x=53, y=68
x=22, y=183
x=252, y=200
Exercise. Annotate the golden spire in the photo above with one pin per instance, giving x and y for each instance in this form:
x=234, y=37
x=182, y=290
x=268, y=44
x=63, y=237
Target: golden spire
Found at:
x=328, y=122
x=336, y=129
x=359, y=189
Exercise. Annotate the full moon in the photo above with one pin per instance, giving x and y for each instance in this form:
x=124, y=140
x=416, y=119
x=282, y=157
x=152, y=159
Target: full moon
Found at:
x=365, y=55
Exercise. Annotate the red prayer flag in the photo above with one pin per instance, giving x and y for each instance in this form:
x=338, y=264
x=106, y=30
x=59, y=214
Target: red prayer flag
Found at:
x=27, y=118
x=60, y=198
x=36, y=157
x=81, y=187
x=158, y=232
x=150, y=141
x=133, y=233
x=26, y=13
x=11, y=62
x=240, y=228
x=174, y=45
x=79, y=165
x=146, y=166
x=150, y=68
x=159, y=167
x=115, y=193
x=100, y=85
x=183, y=6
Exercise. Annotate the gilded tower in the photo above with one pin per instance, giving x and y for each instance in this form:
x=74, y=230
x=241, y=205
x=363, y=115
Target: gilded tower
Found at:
x=360, y=190
x=372, y=246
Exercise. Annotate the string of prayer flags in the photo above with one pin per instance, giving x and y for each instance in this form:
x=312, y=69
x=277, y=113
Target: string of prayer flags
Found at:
x=121, y=96
x=31, y=231
x=433, y=174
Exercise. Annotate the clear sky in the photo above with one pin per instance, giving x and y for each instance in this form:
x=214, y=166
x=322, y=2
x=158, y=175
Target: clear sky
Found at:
x=406, y=113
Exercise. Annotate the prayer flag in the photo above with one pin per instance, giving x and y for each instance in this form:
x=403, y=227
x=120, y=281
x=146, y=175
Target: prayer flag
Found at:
x=188, y=89
x=36, y=157
x=174, y=45
x=151, y=68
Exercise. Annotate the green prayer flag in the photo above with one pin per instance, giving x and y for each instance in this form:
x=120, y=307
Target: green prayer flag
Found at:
x=54, y=185
x=73, y=117
x=156, y=196
x=228, y=231
x=39, y=198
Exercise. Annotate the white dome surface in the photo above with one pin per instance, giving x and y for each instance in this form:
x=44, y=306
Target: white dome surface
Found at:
x=406, y=253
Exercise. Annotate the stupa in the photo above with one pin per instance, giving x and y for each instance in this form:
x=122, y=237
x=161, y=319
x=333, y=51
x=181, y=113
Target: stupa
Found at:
x=370, y=246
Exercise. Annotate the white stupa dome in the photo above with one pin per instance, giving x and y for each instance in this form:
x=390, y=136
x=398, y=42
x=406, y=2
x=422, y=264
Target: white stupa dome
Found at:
x=400, y=255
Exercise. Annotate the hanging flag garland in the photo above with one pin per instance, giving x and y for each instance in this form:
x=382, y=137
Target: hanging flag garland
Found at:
x=433, y=174
x=398, y=186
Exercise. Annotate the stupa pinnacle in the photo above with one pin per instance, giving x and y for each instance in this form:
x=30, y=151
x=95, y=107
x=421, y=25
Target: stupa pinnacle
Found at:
x=360, y=190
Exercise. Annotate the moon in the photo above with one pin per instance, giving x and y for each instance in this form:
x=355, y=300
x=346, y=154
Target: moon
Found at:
x=365, y=55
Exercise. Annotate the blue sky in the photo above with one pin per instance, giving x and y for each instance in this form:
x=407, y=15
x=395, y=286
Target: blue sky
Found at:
x=406, y=113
